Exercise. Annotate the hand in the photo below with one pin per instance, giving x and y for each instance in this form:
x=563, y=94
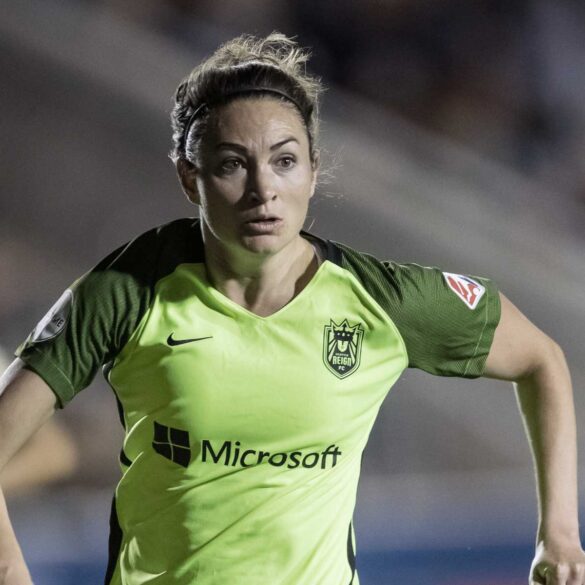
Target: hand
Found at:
x=556, y=565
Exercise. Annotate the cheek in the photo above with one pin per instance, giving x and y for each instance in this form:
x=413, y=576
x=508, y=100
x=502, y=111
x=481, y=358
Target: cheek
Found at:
x=217, y=193
x=297, y=182
x=301, y=187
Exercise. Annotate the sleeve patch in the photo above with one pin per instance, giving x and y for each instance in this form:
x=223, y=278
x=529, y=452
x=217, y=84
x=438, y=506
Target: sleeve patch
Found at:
x=53, y=322
x=467, y=289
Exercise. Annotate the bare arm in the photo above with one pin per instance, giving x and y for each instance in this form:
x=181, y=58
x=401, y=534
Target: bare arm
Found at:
x=49, y=455
x=26, y=402
x=522, y=353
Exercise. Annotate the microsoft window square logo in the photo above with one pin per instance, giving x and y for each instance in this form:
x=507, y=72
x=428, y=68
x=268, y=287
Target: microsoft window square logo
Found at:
x=172, y=444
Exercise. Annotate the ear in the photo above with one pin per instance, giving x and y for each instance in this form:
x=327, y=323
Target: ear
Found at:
x=316, y=166
x=187, y=173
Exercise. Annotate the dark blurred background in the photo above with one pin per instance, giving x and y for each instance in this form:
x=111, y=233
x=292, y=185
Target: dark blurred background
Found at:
x=453, y=135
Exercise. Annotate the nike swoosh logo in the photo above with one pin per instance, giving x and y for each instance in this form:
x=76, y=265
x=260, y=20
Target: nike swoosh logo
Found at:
x=172, y=342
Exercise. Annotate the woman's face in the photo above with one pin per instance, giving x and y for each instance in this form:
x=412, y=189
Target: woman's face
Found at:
x=255, y=177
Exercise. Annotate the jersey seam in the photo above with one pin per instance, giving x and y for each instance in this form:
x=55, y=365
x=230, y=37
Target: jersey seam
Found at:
x=480, y=339
x=384, y=312
x=133, y=339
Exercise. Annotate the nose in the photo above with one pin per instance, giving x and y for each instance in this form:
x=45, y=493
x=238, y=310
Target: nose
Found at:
x=261, y=185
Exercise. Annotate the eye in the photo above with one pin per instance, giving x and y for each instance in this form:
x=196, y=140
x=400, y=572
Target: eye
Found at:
x=286, y=162
x=231, y=164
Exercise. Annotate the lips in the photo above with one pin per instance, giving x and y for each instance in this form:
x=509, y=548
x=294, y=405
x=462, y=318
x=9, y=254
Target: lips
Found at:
x=264, y=224
x=263, y=218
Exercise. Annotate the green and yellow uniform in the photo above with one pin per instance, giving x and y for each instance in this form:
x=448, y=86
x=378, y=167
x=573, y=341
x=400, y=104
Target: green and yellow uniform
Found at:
x=244, y=434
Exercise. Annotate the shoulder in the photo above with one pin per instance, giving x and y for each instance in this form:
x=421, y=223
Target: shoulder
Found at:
x=381, y=278
x=447, y=320
x=157, y=251
x=123, y=283
x=410, y=280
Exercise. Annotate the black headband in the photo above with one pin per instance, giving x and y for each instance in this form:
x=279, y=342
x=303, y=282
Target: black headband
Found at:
x=240, y=91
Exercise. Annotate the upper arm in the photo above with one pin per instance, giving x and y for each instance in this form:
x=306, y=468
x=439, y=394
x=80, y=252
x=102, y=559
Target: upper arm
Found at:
x=26, y=402
x=518, y=346
x=447, y=320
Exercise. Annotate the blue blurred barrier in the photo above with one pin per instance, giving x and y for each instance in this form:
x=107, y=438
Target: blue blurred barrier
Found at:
x=478, y=566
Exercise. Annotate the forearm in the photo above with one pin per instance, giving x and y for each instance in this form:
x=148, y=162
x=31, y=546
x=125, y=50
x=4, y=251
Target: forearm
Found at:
x=546, y=402
x=49, y=455
x=13, y=570
x=26, y=402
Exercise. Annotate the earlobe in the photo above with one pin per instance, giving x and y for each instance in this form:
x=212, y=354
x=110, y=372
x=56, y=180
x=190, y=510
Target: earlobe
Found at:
x=187, y=174
x=313, y=185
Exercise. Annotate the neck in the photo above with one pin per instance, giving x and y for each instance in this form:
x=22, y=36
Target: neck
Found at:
x=262, y=284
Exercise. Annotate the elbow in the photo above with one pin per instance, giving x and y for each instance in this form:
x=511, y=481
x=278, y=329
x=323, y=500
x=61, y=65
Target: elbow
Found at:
x=553, y=352
x=548, y=359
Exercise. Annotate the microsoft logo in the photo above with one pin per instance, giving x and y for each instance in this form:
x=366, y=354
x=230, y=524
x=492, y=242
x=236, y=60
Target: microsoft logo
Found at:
x=172, y=444
x=233, y=454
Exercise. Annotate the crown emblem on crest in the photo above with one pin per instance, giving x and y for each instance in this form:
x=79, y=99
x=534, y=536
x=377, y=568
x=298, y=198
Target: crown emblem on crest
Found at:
x=342, y=347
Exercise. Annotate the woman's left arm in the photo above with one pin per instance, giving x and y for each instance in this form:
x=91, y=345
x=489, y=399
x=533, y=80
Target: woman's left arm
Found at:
x=523, y=354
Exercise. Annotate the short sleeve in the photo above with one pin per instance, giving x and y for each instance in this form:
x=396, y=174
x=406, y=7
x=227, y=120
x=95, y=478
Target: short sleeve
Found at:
x=87, y=326
x=94, y=318
x=447, y=320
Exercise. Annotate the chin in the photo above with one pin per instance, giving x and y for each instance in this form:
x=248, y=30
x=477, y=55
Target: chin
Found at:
x=264, y=245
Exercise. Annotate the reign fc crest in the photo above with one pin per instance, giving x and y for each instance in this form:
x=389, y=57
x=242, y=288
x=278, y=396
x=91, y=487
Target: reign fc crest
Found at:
x=342, y=347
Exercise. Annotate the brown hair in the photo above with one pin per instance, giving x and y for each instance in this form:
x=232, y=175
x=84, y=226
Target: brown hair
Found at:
x=244, y=66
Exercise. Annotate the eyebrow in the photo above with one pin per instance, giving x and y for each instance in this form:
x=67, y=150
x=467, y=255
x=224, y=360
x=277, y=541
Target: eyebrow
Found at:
x=283, y=142
x=234, y=146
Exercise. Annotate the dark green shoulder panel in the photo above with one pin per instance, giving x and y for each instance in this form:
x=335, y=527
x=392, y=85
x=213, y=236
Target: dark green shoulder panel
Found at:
x=442, y=333
x=94, y=319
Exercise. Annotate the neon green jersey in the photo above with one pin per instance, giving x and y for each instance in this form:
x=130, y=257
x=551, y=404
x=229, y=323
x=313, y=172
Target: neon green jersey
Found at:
x=244, y=434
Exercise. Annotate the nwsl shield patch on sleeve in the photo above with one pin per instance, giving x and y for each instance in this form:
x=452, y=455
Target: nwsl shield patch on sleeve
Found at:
x=54, y=321
x=467, y=289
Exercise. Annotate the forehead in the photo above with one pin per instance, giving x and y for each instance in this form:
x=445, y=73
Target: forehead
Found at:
x=257, y=119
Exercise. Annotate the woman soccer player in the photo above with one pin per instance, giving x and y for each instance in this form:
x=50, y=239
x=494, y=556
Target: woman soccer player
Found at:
x=250, y=358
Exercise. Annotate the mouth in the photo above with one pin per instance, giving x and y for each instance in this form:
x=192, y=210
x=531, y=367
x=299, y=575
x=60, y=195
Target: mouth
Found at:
x=264, y=224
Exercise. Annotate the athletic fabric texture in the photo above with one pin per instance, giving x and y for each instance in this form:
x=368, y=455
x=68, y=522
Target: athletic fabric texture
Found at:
x=244, y=434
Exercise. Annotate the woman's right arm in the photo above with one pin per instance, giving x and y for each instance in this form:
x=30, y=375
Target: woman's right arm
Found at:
x=26, y=402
